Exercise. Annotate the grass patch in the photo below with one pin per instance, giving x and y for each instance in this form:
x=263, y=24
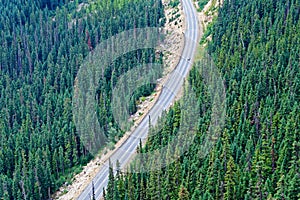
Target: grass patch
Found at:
x=143, y=99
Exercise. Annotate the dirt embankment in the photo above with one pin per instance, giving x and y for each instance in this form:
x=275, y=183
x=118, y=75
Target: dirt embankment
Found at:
x=172, y=48
x=209, y=12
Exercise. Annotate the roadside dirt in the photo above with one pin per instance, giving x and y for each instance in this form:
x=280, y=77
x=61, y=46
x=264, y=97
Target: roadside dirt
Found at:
x=208, y=13
x=172, y=48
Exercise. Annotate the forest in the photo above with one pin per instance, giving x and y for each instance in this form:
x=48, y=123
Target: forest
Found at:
x=256, y=46
x=43, y=43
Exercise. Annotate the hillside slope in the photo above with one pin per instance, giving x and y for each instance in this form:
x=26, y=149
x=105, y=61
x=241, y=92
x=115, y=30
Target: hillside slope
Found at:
x=256, y=46
x=43, y=44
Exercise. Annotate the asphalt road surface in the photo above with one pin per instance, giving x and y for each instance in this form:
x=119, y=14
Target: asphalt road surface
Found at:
x=167, y=97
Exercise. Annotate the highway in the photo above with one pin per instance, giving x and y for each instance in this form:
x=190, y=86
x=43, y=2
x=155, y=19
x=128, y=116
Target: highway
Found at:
x=168, y=94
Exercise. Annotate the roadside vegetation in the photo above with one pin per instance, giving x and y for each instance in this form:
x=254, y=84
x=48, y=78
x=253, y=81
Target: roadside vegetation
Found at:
x=201, y=4
x=255, y=45
x=43, y=44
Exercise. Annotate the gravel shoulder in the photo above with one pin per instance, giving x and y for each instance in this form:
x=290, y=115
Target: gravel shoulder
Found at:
x=172, y=48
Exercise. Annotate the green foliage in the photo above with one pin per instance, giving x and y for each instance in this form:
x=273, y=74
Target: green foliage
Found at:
x=43, y=44
x=141, y=92
x=174, y=18
x=208, y=31
x=202, y=3
x=183, y=194
x=174, y=3
x=255, y=44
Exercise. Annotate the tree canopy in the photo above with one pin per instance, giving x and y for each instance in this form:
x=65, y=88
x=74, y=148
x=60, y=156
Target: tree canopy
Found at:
x=256, y=46
x=43, y=44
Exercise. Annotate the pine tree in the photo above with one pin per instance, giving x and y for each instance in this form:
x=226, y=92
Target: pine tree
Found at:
x=183, y=194
x=111, y=183
x=230, y=185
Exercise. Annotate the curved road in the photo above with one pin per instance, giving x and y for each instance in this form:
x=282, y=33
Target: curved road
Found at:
x=168, y=94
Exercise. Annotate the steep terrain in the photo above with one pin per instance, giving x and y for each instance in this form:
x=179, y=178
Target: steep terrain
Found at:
x=43, y=44
x=172, y=48
x=256, y=46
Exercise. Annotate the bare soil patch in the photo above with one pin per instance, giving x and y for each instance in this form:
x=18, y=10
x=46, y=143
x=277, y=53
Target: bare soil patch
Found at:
x=172, y=47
